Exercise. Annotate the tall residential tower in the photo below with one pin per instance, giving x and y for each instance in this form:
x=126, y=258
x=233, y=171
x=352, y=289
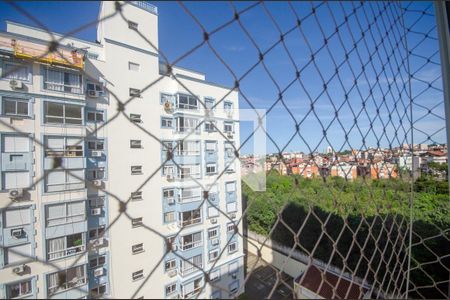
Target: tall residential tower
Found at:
x=118, y=178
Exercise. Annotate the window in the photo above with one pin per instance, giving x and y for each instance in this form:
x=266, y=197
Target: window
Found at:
x=213, y=254
x=16, y=217
x=98, y=291
x=213, y=233
x=58, y=146
x=66, y=279
x=136, y=170
x=190, y=171
x=232, y=247
x=135, y=144
x=65, y=246
x=170, y=265
x=19, y=289
x=211, y=146
x=209, y=103
x=210, y=126
x=190, y=217
x=62, y=81
x=187, y=102
x=229, y=150
x=167, y=98
x=232, y=268
x=216, y=295
x=133, y=66
x=190, y=241
x=135, y=93
x=213, y=212
x=95, y=116
x=96, y=233
x=185, y=124
x=214, y=275
x=97, y=261
x=230, y=227
x=97, y=202
x=168, y=170
x=230, y=189
x=138, y=248
x=65, y=213
x=136, y=222
x=228, y=106
x=59, y=113
x=228, y=127
x=136, y=196
x=132, y=25
x=233, y=287
x=188, y=148
x=93, y=88
x=169, y=196
x=190, y=194
x=169, y=217
x=15, y=71
x=211, y=169
x=192, y=264
x=171, y=289
x=166, y=122
x=137, y=275
x=64, y=180
x=135, y=118
x=15, y=107
x=96, y=174
x=231, y=207
x=191, y=289
x=97, y=145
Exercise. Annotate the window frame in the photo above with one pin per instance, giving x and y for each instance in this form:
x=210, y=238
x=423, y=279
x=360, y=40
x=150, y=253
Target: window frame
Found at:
x=63, y=117
x=133, y=92
x=174, y=284
x=66, y=216
x=210, y=165
x=137, y=222
x=137, y=275
x=96, y=113
x=187, y=105
x=135, y=143
x=9, y=286
x=65, y=86
x=17, y=100
x=66, y=184
x=215, y=251
x=15, y=65
x=233, y=243
x=136, y=170
x=165, y=120
x=137, y=248
x=97, y=262
x=136, y=118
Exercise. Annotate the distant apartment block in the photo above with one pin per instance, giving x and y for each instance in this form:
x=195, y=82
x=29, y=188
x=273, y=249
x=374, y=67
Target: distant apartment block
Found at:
x=78, y=154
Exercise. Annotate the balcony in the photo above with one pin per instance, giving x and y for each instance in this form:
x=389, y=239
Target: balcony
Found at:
x=189, y=222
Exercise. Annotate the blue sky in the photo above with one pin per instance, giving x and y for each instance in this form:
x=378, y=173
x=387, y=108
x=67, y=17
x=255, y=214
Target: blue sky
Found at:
x=178, y=33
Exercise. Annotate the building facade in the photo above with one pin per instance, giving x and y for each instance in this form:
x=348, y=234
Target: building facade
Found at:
x=118, y=178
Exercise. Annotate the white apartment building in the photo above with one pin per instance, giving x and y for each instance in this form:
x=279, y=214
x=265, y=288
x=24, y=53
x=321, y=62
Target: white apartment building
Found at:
x=119, y=219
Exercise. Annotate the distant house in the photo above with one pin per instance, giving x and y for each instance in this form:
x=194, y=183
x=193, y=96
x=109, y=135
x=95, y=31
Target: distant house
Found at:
x=315, y=283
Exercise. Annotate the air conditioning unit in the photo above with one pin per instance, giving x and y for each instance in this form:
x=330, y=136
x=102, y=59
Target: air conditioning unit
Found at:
x=213, y=220
x=98, y=272
x=229, y=113
x=98, y=242
x=96, y=211
x=168, y=106
x=215, y=242
x=94, y=94
x=96, y=153
x=17, y=233
x=16, y=84
x=229, y=135
x=97, y=182
x=16, y=194
x=234, y=275
x=19, y=269
x=171, y=201
x=172, y=273
x=233, y=215
x=169, y=177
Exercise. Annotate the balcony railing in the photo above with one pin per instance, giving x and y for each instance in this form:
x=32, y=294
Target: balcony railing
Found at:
x=184, y=223
x=75, y=282
x=192, y=293
x=65, y=252
x=191, y=245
